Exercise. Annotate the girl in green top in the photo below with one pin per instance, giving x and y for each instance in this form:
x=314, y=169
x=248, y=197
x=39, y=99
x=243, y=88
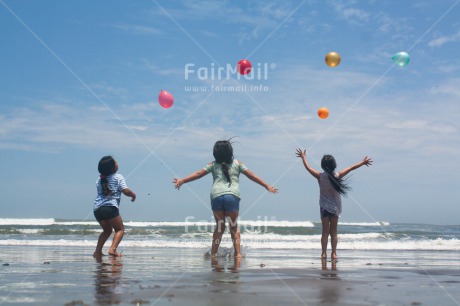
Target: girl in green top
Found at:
x=225, y=191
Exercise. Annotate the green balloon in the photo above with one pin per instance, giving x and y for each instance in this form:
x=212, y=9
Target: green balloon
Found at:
x=401, y=58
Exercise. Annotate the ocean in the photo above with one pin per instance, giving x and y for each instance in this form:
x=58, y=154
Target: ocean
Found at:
x=49, y=262
x=255, y=235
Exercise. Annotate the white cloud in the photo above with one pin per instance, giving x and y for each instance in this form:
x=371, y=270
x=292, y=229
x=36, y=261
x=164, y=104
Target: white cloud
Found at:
x=254, y=21
x=450, y=88
x=287, y=119
x=375, y=20
x=55, y=126
x=137, y=127
x=138, y=29
x=349, y=13
x=211, y=34
x=440, y=41
x=410, y=124
x=422, y=125
x=355, y=15
x=161, y=70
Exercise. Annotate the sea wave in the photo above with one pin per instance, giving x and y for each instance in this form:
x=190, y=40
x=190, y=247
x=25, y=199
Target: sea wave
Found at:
x=254, y=223
x=12, y=221
x=378, y=223
x=433, y=245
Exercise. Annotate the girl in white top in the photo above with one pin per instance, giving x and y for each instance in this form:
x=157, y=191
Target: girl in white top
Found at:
x=225, y=191
x=110, y=186
x=331, y=187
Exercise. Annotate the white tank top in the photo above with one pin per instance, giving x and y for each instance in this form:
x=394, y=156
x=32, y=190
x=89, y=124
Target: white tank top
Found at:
x=329, y=198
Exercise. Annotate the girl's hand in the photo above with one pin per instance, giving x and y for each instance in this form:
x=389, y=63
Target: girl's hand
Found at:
x=367, y=161
x=129, y=193
x=271, y=189
x=177, y=183
x=300, y=153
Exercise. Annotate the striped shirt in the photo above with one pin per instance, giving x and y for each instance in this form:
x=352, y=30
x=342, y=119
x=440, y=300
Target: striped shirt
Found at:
x=116, y=183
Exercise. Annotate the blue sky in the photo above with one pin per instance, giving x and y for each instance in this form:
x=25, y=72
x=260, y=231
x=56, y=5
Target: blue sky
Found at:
x=80, y=80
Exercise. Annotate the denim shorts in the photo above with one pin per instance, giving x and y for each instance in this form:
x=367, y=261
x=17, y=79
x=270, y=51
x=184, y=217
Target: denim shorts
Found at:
x=106, y=213
x=324, y=213
x=226, y=202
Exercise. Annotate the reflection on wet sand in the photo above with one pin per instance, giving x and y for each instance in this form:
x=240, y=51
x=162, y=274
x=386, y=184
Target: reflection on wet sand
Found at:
x=330, y=292
x=219, y=264
x=332, y=262
x=228, y=278
x=107, y=280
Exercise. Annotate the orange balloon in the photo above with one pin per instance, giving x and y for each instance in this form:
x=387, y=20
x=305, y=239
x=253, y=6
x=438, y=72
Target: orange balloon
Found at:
x=323, y=112
x=332, y=59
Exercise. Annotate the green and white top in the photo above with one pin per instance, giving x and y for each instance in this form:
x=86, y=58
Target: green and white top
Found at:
x=220, y=184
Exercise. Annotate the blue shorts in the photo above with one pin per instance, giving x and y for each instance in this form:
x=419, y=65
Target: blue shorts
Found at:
x=326, y=214
x=226, y=202
x=106, y=213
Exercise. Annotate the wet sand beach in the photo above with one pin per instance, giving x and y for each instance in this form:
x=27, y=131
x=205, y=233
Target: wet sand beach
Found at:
x=37, y=275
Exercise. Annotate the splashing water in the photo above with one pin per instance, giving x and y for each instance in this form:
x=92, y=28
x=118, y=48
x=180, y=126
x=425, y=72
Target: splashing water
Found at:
x=227, y=252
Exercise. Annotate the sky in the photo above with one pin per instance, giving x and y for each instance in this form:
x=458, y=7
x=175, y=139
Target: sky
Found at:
x=80, y=80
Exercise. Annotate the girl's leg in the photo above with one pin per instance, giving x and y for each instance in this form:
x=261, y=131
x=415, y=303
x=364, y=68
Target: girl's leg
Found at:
x=334, y=237
x=324, y=236
x=117, y=224
x=219, y=216
x=106, y=232
x=234, y=231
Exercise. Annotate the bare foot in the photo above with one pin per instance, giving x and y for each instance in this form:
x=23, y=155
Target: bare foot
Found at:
x=334, y=256
x=97, y=254
x=323, y=256
x=115, y=254
x=238, y=256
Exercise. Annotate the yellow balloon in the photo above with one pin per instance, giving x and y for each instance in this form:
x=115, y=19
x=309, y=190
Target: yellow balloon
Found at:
x=332, y=59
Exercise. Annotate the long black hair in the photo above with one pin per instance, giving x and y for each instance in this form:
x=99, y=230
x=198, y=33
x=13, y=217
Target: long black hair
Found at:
x=328, y=164
x=223, y=154
x=106, y=167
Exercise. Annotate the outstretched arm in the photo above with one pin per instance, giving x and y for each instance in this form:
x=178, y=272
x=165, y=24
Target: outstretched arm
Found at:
x=253, y=177
x=194, y=176
x=366, y=161
x=302, y=155
x=129, y=193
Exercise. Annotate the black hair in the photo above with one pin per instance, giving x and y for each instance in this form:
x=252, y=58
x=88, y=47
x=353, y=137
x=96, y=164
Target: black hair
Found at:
x=106, y=167
x=223, y=154
x=328, y=164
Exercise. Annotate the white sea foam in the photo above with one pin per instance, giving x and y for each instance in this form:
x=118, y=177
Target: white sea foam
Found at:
x=365, y=223
x=301, y=238
x=51, y=221
x=254, y=223
x=68, y=223
x=11, y=221
x=273, y=223
x=310, y=242
x=30, y=231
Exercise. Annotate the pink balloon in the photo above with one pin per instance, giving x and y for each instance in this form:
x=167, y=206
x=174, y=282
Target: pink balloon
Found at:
x=165, y=99
x=244, y=67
